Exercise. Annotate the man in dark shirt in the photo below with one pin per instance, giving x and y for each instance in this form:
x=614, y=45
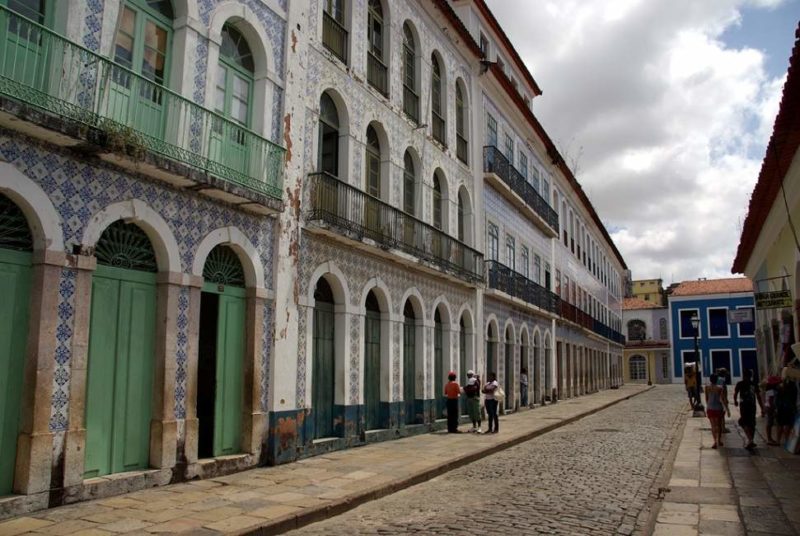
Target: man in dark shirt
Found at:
x=748, y=392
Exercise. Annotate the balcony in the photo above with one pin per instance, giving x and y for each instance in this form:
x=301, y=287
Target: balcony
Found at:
x=334, y=37
x=376, y=74
x=516, y=189
x=585, y=320
x=51, y=86
x=438, y=128
x=356, y=215
x=411, y=104
x=506, y=280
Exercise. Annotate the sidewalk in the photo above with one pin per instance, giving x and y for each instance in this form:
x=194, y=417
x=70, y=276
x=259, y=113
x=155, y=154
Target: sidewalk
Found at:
x=272, y=500
x=730, y=491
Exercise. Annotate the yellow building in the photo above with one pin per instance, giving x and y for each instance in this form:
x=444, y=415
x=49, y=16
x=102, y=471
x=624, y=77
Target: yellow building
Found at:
x=649, y=290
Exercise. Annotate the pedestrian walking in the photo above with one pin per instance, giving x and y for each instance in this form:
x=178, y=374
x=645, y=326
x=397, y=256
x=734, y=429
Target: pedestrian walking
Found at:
x=472, y=391
x=770, y=405
x=786, y=408
x=722, y=381
x=690, y=382
x=749, y=393
x=491, y=403
x=716, y=408
x=452, y=391
x=523, y=386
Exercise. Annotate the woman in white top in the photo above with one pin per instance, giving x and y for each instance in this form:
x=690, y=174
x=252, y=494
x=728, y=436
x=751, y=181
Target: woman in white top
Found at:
x=491, y=403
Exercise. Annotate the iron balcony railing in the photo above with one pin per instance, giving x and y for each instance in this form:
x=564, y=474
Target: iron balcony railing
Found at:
x=411, y=103
x=334, y=36
x=360, y=215
x=377, y=74
x=496, y=162
x=514, y=284
x=133, y=113
x=438, y=128
x=461, y=148
x=584, y=319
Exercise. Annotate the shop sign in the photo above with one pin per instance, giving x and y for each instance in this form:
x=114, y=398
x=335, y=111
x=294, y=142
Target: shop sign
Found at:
x=773, y=300
x=739, y=316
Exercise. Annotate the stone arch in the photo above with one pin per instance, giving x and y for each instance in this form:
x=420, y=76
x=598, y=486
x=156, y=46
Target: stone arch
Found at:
x=417, y=302
x=156, y=228
x=240, y=244
x=335, y=278
x=43, y=219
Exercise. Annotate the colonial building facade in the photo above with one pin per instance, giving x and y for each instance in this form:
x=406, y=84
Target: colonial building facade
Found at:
x=647, y=350
x=236, y=232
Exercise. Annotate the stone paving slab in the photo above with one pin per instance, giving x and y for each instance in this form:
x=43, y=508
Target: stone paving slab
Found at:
x=730, y=491
x=272, y=500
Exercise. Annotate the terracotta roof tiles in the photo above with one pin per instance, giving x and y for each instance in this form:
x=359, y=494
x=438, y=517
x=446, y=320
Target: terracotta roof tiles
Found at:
x=713, y=286
x=630, y=304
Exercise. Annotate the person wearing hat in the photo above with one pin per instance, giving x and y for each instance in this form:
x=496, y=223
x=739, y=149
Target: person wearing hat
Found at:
x=472, y=390
x=452, y=391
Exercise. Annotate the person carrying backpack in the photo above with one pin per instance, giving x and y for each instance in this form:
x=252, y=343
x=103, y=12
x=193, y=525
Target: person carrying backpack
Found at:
x=748, y=392
x=472, y=390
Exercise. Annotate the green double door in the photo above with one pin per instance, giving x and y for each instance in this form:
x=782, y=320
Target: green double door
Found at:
x=409, y=363
x=439, y=377
x=120, y=371
x=221, y=352
x=323, y=379
x=15, y=282
x=372, y=370
x=23, y=59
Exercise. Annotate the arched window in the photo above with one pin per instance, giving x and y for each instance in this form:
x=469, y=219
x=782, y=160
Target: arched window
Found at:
x=376, y=63
x=638, y=368
x=233, y=95
x=662, y=328
x=334, y=33
x=328, y=157
x=373, y=163
x=461, y=130
x=437, y=202
x=637, y=330
x=437, y=107
x=410, y=90
x=494, y=242
x=409, y=184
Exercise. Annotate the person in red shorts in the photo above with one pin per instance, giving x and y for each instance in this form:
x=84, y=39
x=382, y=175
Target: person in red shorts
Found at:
x=716, y=408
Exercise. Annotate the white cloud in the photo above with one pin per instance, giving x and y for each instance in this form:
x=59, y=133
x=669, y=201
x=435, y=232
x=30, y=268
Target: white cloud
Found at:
x=671, y=124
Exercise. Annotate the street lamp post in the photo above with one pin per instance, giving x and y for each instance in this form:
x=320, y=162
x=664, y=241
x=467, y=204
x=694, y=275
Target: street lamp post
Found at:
x=699, y=361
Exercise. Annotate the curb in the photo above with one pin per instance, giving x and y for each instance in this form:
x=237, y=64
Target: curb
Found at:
x=312, y=515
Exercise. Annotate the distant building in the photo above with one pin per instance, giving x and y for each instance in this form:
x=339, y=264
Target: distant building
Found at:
x=768, y=248
x=646, y=356
x=649, y=290
x=720, y=343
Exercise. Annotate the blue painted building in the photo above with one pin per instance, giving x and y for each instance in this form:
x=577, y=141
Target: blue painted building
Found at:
x=720, y=343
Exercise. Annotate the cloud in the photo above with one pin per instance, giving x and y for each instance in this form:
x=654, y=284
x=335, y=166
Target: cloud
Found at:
x=669, y=125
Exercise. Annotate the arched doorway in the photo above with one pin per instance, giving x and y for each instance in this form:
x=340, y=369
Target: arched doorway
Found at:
x=16, y=246
x=509, y=368
x=323, y=379
x=537, y=368
x=220, y=354
x=122, y=327
x=491, y=350
x=439, y=374
x=409, y=361
x=525, y=367
x=372, y=363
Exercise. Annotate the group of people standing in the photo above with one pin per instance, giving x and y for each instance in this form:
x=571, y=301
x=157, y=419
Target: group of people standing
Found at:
x=472, y=390
x=778, y=406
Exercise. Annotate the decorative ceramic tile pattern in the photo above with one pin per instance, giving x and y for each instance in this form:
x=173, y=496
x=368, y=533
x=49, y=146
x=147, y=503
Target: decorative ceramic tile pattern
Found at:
x=93, y=21
x=181, y=354
x=300, y=383
x=266, y=353
x=398, y=334
x=59, y=409
x=355, y=347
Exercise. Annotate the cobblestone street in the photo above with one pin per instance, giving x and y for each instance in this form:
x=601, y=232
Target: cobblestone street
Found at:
x=592, y=476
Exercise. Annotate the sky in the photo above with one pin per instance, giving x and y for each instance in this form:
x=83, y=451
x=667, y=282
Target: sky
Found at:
x=664, y=109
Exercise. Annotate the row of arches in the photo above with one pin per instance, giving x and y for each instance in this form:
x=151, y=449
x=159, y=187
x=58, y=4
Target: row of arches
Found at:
x=127, y=340
x=332, y=159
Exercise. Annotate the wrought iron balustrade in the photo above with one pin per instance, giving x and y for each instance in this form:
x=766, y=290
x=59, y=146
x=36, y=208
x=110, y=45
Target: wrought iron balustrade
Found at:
x=132, y=112
x=411, y=103
x=494, y=161
x=357, y=214
x=334, y=36
x=377, y=74
x=514, y=284
x=438, y=128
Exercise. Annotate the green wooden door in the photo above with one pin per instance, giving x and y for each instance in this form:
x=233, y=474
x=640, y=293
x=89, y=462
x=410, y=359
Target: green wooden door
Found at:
x=322, y=399
x=15, y=281
x=409, y=367
x=439, y=378
x=462, y=363
x=372, y=370
x=24, y=59
x=230, y=349
x=509, y=373
x=120, y=371
x=134, y=95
